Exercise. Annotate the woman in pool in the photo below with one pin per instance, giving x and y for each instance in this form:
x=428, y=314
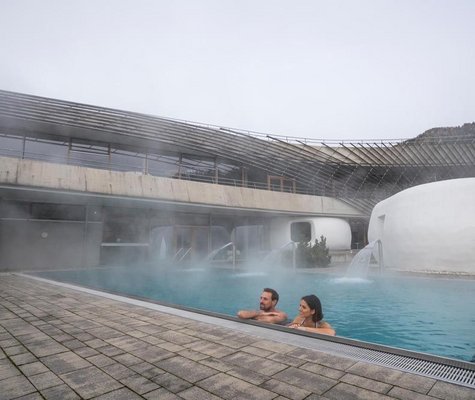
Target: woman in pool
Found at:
x=310, y=318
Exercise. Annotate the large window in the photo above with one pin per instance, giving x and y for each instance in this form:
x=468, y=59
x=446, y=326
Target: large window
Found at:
x=281, y=184
x=123, y=160
x=300, y=232
x=47, y=211
x=89, y=155
x=14, y=209
x=58, y=212
x=126, y=226
x=197, y=168
x=11, y=146
x=55, y=151
x=231, y=174
x=161, y=165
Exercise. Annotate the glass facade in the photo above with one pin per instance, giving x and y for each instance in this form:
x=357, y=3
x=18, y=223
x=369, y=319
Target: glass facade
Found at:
x=87, y=154
x=116, y=157
x=11, y=146
x=23, y=210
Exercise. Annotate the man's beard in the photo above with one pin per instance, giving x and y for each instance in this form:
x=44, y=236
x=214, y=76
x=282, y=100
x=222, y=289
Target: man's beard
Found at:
x=263, y=308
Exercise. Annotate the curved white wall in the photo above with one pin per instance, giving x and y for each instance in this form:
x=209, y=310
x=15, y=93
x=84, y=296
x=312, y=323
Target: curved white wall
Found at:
x=336, y=230
x=429, y=227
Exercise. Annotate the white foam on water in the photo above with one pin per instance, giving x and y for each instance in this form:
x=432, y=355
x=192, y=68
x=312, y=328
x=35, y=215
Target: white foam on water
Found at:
x=350, y=280
x=192, y=269
x=246, y=274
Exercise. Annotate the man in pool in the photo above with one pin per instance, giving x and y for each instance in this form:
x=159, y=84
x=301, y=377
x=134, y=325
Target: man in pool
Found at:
x=267, y=311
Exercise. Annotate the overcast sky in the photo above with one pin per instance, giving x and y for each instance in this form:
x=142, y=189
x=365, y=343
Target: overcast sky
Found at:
x=318, y=69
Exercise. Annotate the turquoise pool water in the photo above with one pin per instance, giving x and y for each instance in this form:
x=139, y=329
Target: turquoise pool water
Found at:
x=433, y=316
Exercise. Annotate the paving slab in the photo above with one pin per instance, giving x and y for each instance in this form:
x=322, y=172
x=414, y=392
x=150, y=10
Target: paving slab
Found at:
x=343, y=391
x=210, y=348
x=24, y=358
x=196, y=393
x=120, y=394
x=152, y=354
x=255, y=363
x=15, y=350
x=216, y=364
x=33, y=368
x=444, y=390
x=171, y=382
x=64, y=362
x=187, y=369
x=248, y=375
x=192, y=355
x=118, y=371
x=309, y=381
x=405, y=394
x=286, y=390
x=366, y=383
x=45, y=380
x=90, y=382
x=147, y=370
x=31, y=396
x=100, y=360
x=7, y=369
x=46, y=348
x=229, y=387
x=60, y=392
x=323, y=370
x=85, y=352
x=161, y=394
x=139, y=384
x=14, y=387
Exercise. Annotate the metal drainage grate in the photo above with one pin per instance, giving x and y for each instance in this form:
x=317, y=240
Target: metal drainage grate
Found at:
x=432, y=369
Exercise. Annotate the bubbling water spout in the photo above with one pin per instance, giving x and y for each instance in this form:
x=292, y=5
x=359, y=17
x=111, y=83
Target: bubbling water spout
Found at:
x=361, y=262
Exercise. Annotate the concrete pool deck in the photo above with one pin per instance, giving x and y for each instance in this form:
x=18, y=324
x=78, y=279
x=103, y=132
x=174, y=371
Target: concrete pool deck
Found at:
x=60, y=343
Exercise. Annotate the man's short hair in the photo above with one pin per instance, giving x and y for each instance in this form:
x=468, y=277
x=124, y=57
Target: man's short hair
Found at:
x=275, y=295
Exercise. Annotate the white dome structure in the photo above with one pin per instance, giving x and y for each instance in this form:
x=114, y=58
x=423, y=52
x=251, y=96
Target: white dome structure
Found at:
x=428, y=228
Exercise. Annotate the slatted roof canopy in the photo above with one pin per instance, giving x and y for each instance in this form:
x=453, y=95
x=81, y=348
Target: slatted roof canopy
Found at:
x=361, y=173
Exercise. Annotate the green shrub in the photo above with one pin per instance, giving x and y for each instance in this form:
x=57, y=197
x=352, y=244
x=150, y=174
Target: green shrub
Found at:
x=319, y=253
x=308, y=256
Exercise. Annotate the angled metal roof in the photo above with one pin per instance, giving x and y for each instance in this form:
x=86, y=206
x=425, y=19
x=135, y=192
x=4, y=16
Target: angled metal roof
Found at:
x=360, y=173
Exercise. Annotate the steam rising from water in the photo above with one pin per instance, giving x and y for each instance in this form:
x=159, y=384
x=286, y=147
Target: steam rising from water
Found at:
x=350, y=280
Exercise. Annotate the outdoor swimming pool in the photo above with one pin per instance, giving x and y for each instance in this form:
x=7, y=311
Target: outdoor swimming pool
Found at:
x=433, y=316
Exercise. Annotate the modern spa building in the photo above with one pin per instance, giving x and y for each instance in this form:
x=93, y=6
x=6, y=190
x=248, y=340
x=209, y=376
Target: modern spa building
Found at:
x=83, y=185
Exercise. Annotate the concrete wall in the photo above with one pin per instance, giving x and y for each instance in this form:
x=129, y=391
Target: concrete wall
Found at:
x=31, y=173
x=36, y=244
x=429, y=227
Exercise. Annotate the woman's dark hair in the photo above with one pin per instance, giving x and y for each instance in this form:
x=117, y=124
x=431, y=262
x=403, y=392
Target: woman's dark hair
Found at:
x=314, y=304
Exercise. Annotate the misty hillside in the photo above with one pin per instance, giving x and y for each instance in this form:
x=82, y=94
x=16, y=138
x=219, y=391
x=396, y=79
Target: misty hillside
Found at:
x=465, y=131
